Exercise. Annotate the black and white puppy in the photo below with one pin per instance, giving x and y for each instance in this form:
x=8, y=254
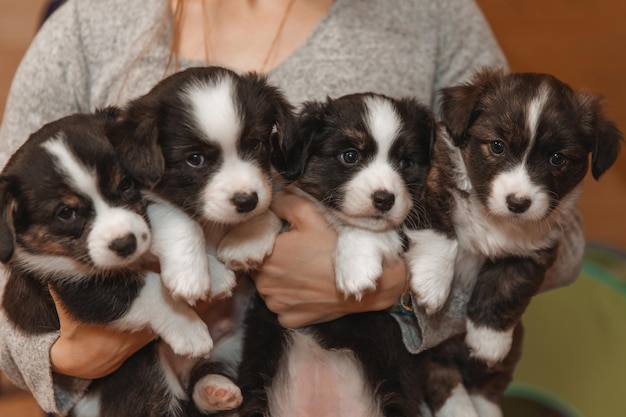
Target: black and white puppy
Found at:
x=363, y=159
x=72, y=220
x=502, y=185
x=202, y=140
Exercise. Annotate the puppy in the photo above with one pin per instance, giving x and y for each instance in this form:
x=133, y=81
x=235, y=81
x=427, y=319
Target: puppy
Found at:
x=202, y=141
x=503, y=182
x=363, y=159
x=72, y=220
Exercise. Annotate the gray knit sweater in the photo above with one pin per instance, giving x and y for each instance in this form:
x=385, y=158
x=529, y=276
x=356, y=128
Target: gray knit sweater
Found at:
x=93, y=53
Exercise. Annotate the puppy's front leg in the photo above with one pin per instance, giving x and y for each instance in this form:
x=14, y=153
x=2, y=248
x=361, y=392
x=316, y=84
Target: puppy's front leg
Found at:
x=172, y=319
x=247, y=244
x=431, y=258
x=359, y=258
x=178, y=242
x=503, y=290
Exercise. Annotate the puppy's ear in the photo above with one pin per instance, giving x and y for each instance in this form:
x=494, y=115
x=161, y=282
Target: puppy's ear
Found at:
x=308, y=122
x=284, y=137
x=7, y=235
x=458, y=104
x=606, y=136
x=135, y=136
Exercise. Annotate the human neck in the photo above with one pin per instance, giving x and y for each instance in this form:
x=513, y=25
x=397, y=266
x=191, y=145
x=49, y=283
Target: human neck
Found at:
x=246, y=35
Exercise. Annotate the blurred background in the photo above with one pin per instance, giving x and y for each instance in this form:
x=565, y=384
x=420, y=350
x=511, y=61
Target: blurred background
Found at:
x=574, y=361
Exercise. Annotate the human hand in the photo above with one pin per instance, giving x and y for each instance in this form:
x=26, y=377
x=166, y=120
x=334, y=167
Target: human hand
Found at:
x=297, y=281
x=91, y=351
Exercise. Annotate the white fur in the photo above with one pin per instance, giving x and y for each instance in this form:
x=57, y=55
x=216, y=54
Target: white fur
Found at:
x=359, y=258
x=235, y=176
x=383, y=122
x=110, y=222
x=458, y=404
x=357, y=207
x=431, y=260
x=177, y=323
x=251, y=241
x=313, y=381
x=178, y=242
x=488, y=344
x=214, y=110
x=60, y=266
x=533, y=113
x=88, y=405
x=517, y=182
x=485, y=407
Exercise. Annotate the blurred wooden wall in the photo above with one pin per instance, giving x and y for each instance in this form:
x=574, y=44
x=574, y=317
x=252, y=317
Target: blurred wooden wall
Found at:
x=582, y=42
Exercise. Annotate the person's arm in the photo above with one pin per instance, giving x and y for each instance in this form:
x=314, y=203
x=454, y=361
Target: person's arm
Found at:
x=465, y=44
x=297, y=280
x=46, y=85
x=41, y=91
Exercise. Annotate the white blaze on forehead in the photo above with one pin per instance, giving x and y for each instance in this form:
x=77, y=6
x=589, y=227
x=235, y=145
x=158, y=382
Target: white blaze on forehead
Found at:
x=383, y=122
x=215, y=111
x=110, y=222
x=80, y=177
x=533, y=112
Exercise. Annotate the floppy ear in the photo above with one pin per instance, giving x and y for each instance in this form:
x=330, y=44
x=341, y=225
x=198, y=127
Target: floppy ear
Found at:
x=295, y=154
x=135, y=136
x=458, y=104
x=284, y=137
x=7, y=235
x=606, y=136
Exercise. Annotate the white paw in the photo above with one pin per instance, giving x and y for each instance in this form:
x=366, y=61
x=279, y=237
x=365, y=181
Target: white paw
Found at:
x=191, y=283
x=458, y=404
x=190, y=339
x=246, y=246
x=429, y=292
x=431, y=259
x=489, y=345
x=223, y=280
x=215, y=392
x=355, y=280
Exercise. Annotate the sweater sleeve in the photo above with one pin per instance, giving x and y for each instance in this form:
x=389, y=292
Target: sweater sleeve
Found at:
x=41, y=92
x=50, y=82
x=465, y=43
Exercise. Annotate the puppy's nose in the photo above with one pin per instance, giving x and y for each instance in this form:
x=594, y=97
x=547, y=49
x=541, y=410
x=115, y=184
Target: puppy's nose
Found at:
x=245, y=202
x=124, y=246
x=383, y=200
x=517, y=204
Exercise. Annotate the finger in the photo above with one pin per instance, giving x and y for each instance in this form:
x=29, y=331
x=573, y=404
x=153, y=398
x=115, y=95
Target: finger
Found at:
x=64, y=315
x=283, y=204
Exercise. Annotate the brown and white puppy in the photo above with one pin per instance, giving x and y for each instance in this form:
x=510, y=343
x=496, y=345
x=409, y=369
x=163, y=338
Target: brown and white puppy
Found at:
x=202, y=140
x=503, y=183
x=73, y=220
x=363, y=159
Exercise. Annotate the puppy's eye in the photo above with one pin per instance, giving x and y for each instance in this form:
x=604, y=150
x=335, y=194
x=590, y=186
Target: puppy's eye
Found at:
x=195, y=160
x=557, y=159
x=407, y=164
x=349, y=157
x=497, y=147
x=127, y=184
x=256, y=145
x=66, y=214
